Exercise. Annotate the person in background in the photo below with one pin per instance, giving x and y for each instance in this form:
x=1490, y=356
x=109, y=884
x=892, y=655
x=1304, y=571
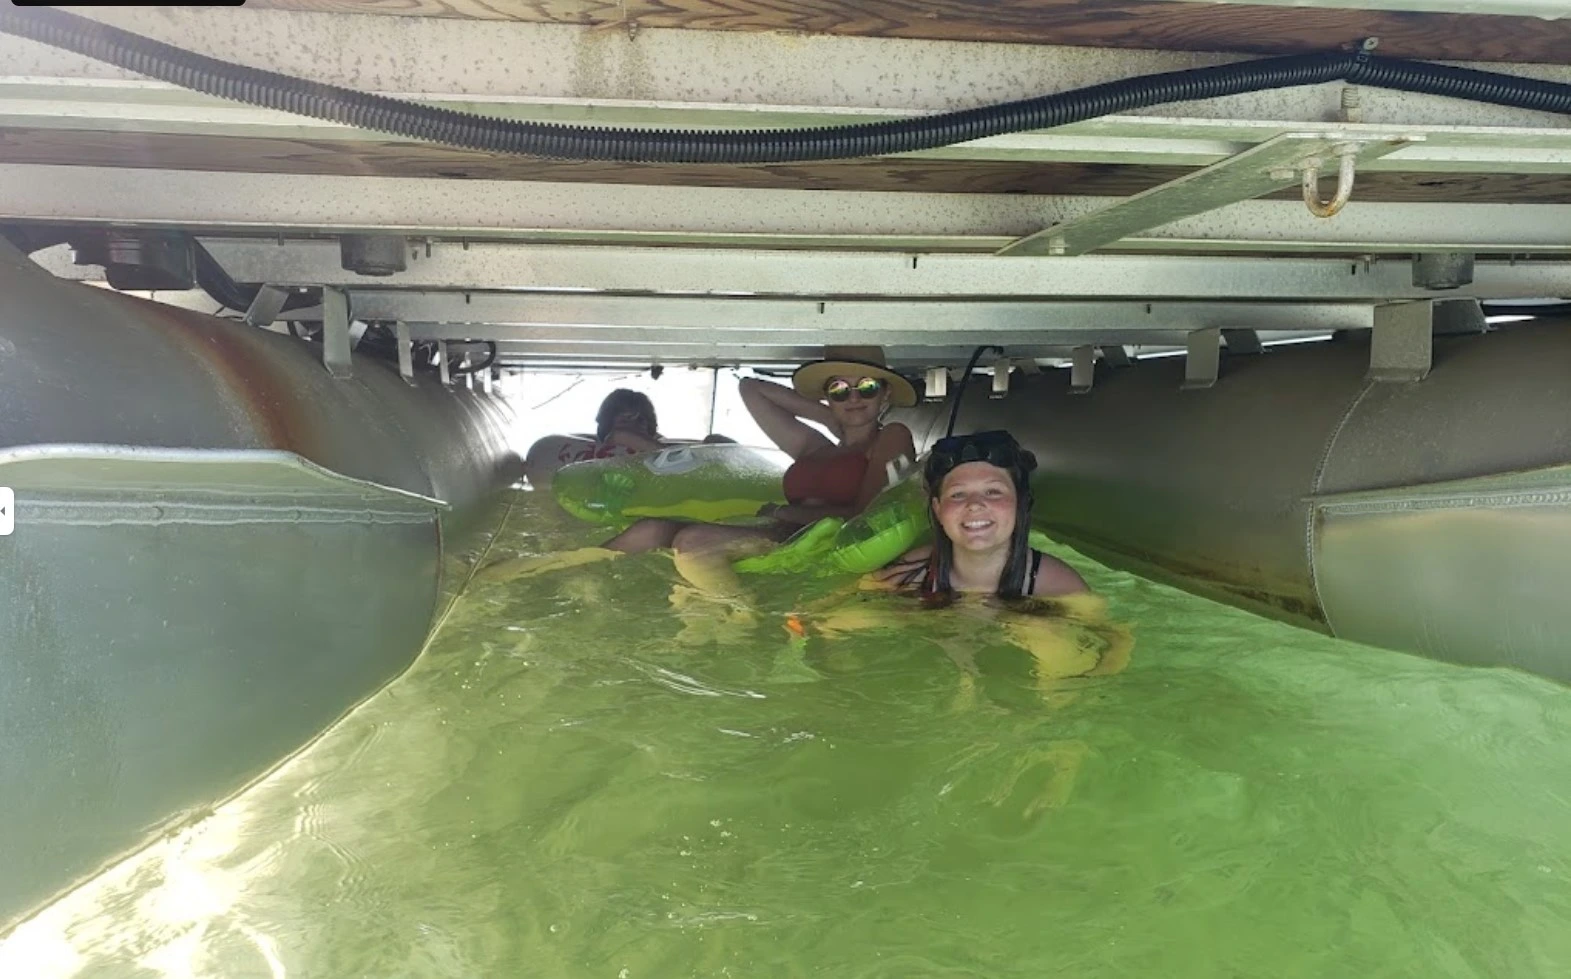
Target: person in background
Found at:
x=627, y=419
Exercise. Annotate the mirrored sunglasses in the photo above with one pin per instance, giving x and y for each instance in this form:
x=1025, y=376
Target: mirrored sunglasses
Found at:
x=866, y=389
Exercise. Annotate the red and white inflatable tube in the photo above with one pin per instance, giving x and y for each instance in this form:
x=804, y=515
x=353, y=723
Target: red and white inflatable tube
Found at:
x=553, y=452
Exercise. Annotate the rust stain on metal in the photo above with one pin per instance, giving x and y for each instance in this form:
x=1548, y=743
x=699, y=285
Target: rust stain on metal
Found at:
x=244, y=372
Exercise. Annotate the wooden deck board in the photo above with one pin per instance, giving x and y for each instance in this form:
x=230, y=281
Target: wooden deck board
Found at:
x=1149, y=24
x=405, y=159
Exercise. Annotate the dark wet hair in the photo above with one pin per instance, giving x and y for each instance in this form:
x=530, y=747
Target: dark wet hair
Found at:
x=621, y=401
x=997, y=448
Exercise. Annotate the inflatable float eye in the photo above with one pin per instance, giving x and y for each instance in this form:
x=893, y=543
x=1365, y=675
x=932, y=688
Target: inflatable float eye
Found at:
x=674, y=461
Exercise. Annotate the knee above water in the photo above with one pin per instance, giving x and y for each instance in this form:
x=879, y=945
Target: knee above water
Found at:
x=695, y=538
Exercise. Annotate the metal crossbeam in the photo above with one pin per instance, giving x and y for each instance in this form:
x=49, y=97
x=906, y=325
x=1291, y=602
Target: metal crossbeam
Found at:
x=694, y=339
x=831, y=274
x=703, y=216
x=723, y=352
x=1257, y=171
x=918, y=363
x=634, y=318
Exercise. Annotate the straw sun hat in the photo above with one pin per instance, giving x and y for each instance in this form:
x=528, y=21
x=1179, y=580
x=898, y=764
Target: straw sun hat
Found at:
x=809, y=379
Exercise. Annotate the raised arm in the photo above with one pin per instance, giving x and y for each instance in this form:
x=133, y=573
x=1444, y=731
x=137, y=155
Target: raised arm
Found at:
x=779, y=411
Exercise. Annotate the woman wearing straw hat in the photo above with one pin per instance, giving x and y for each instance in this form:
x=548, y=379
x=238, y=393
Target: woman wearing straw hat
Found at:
x=847, y=393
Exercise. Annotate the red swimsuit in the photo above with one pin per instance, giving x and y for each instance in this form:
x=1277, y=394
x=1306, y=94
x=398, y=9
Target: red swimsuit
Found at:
x=826, y=478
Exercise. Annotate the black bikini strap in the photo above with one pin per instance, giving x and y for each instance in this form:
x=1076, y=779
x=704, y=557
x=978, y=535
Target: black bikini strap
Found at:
x=1036, y=564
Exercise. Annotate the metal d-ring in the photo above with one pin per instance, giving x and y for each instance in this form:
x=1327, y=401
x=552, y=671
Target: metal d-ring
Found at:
x=1344, y=184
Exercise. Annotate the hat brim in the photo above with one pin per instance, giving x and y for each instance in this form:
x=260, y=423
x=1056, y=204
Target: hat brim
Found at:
x=809, y=379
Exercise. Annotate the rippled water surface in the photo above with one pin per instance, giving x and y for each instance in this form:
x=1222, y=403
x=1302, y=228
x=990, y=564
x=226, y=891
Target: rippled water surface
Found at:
x=578, y=780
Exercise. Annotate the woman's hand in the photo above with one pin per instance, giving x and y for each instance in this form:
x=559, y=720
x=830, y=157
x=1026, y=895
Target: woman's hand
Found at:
x=900, y=572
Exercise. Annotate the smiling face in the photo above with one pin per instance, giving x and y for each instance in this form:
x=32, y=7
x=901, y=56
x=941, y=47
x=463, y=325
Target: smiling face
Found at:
x=858, y=407
x=975, y=506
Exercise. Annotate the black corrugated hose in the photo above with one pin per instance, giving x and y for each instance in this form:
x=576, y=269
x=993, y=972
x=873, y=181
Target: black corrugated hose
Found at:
x=553, y=140
x=960, y=389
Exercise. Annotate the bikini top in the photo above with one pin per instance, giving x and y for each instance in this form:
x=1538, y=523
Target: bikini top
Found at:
x=833, y=479
x=918, y=576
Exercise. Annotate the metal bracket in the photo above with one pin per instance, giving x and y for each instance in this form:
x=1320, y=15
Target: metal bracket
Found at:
x=486, y=380
x=1277, y=163
x=1402, y=346
x=1459, y=316
x=1116, y=356
x=264, y=309
x=1442, y=270
x=406, y=362
x=441, y=356
x=1203, y=359
x=373, y=254
x=1082, y=369
x=1001, y=369
x=335, y=332
x=1242, y=342
x=936, y=387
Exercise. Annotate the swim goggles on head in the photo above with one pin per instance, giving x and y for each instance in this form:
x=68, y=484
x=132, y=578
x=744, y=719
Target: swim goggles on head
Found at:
x=840, y=389
x=997, y=448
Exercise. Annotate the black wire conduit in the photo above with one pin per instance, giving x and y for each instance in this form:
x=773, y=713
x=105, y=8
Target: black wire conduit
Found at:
x=378, y=113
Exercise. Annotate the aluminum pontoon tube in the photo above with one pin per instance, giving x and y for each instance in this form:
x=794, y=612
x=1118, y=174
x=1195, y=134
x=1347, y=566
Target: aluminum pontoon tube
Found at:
x=1431, y=517
x=219, y=549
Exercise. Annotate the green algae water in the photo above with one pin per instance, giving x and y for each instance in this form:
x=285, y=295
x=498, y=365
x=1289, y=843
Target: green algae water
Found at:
x=579, y=779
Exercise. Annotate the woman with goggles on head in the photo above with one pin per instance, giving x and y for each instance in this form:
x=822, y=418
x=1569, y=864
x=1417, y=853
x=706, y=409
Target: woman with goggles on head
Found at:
x=835, y=476
x=979, y=492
